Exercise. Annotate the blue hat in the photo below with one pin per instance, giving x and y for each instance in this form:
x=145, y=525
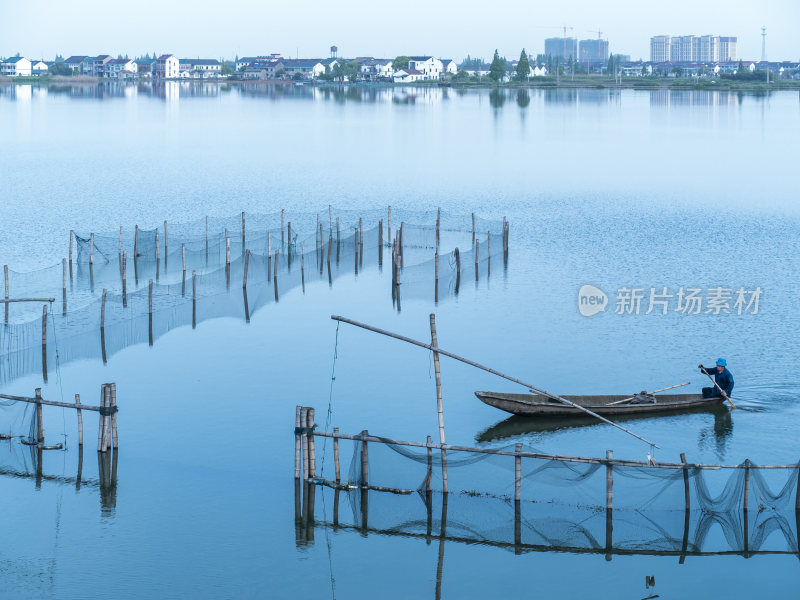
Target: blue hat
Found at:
x=721, y=362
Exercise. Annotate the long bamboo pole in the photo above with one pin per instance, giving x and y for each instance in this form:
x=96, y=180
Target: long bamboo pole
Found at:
x=435, y=343
x=489, y=370
x=672, y=387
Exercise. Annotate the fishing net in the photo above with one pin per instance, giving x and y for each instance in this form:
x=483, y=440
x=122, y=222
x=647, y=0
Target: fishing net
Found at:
x=148, y=292
x=563, y=501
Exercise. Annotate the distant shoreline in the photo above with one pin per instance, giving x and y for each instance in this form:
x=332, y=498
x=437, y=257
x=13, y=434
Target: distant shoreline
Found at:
x=632, y=83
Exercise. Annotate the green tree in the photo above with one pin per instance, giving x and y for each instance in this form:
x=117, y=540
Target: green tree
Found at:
x=298, y=76
x=61, y=69
x=401, y=62
x=351, y=70
x=497, y=69
x=280, y=73
x=523, y=66
x=226, y=69
x=59, y=58
x=462, y=75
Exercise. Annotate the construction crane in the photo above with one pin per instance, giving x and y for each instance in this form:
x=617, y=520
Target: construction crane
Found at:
x=564, y=37
x=599, y=44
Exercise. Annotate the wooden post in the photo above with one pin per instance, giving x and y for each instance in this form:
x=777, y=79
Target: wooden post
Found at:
x=438, y=223
x=477, y=247
x=5, y=277
x=44, y=342
x=91, y=249
x=39, y=422
x=183, y=259
x=473, y=228
x=436, y=277
x=364, y=459
x=71, y=237
x=282, y=241
x=338, y=239
x=686, y=493
x=135, y=242
x=80, y=420
x=194, y=299
x=158, y=254
x=609, y=505
x=288, y=237
x=402, y=243
x=63, y=286
x=517, y=473
x=227, y=251
x=380, y=243
x=269, y=253
x=312, y=455
x=609, y=480
x=439, y=408
x=746, y=484
x=150, y=298
x=206, y=237
x=304, y=441
x=321, y=249
x=114, y=438
x=108, y=418
x=298, y=464
x=458, y=268
x=103, y=311
x=429, y=478
x=275, y=276
x=246, y=265
x=389, y=225
x=243, y=237
x=101, y=424
x=165, y=243
x=124, y=278
x=336, y=455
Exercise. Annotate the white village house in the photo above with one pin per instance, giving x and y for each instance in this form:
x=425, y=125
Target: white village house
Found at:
x=430, y=67
x=166, y=66
x=408, y=76
x=449, y=66
x=16, y=66
x=118, y=68
x=39, y=67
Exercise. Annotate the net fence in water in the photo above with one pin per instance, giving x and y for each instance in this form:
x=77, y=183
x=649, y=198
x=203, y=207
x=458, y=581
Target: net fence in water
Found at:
x=567, y=502
x=141, y=284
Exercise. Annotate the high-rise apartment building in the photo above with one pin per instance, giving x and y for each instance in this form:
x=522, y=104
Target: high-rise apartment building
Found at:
x=563, y=47
x=593, y=51
x=660, y=48
x=692, y=48
x=727, y=49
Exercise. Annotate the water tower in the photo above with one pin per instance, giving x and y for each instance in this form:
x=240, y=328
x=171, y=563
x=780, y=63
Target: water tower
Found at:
x=334, y=51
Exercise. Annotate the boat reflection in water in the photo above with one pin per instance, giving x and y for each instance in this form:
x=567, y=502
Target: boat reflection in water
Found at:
x=517, y=425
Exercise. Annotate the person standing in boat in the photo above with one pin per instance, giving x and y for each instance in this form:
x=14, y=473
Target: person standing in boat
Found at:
x=723, y=378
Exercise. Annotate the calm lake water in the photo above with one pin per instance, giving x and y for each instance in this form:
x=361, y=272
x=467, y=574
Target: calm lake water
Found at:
x=627, y=189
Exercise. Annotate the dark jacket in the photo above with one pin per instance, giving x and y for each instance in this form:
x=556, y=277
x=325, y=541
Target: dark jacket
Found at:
x=723, y=378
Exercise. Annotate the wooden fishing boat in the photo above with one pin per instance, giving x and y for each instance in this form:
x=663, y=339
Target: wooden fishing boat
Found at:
x=538, y=405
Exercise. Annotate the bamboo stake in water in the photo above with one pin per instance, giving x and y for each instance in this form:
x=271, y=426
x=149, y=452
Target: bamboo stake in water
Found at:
x=40, y=424
x=488, y=370
x=194, y=299
x=114, y=438
x=282, y=241
x=243, y=238
x=165, y=243
x=389, y=226
x=80, y=420
x=246, y=265
x=298, y=465
x=44, y=342
x=336, y=455
x=64, y=286
x=517, y=473
x=124, y=278
x=5, y=277
x=71, y=237
x=439, y=408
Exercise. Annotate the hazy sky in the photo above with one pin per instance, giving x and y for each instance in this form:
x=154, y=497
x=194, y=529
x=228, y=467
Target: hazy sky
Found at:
x=445, y=28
